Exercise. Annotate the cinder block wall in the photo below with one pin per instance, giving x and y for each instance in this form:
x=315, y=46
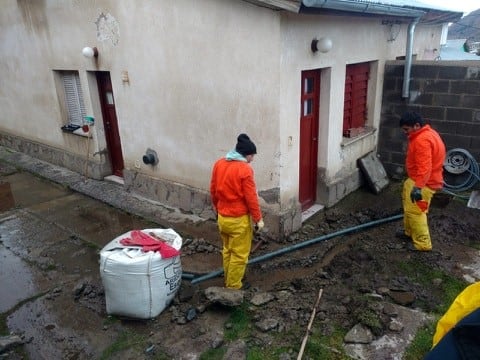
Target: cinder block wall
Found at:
x=446, y=93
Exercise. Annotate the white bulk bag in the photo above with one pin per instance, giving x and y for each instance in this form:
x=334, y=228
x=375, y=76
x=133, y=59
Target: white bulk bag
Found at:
x=140, y=284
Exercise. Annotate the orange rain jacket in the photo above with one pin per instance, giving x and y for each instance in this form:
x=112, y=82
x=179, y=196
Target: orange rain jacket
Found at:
x=233, y=190
x=425, y=158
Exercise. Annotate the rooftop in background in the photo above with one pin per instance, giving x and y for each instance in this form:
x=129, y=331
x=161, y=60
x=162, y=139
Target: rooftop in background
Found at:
x=467, y=27
x=454, y=50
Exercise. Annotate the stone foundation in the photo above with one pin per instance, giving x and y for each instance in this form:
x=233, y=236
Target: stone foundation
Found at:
x=96, y=170
x=177, y=196
x=197, y=202
x=331, y=193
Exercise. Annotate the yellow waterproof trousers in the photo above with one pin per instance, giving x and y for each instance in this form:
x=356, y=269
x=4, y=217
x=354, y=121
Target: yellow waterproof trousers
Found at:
x=236, y=234
x=414, y=219
x=466, y=302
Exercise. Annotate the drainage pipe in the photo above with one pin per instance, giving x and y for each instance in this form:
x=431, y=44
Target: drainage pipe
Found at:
x=288, y=249
x=188, y=276
x=408, y=58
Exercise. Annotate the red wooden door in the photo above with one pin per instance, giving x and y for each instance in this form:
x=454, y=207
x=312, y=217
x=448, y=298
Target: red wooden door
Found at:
x=310, y=94
x=112, y=135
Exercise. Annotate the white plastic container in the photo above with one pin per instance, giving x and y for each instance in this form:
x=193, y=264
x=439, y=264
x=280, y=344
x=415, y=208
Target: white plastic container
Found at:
x=140, y=284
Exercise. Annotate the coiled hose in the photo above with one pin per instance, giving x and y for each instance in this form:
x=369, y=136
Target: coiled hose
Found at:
x=462, y=164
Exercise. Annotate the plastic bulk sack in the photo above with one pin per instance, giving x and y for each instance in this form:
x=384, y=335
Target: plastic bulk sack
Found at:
x=140, y=284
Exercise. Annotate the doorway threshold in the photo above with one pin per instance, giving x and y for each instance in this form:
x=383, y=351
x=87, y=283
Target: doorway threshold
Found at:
x=311, y=211
x=115, y=179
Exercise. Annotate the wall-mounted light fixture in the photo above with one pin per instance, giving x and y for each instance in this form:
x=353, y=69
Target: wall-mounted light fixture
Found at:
x=90, y=52
x=323, y=45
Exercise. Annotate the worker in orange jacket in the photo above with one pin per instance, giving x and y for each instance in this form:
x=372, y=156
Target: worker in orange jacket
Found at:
x=424, y=166
x=234, y=198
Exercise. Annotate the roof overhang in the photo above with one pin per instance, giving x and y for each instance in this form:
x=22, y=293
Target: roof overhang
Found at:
x=407, y=9
x=289, y=5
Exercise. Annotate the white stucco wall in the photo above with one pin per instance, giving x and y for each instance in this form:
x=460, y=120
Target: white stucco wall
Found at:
x=200, y=72
x=199, y=79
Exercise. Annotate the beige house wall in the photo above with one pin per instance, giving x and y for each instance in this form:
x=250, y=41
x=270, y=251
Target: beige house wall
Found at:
x=199, y=73
x=194, y=75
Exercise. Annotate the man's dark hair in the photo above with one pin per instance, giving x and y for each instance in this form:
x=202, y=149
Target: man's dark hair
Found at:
x=411, y=118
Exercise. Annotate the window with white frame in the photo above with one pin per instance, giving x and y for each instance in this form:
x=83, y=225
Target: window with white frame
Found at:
x=74, y=105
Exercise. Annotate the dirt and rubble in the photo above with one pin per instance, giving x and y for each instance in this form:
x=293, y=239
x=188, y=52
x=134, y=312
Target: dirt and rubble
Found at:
x=61, y=312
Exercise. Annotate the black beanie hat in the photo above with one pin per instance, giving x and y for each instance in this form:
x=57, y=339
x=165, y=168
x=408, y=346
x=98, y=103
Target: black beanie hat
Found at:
x=245, y=146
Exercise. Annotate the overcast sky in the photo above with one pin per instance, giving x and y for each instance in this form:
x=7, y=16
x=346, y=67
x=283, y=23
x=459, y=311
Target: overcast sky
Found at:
x=456, y=5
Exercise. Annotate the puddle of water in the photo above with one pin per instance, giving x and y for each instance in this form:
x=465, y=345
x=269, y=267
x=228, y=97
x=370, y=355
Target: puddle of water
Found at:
x=44, y=249
x=47, y=339
x=6, y=197
x=27, y=189
x=16, y=280
x=27, y=236
x=90, y=219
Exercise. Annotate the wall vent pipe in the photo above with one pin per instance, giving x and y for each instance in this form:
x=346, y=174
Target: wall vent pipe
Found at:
x=150, y=157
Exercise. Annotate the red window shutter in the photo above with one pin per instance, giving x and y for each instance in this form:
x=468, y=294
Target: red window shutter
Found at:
x=355, y=105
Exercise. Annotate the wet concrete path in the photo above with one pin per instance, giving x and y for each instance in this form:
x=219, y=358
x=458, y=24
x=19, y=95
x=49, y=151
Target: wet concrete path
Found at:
x=53, y=224
x=50, y=238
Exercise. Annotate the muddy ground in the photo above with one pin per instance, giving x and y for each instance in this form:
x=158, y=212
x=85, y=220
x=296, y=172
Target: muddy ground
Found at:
x=53, y=297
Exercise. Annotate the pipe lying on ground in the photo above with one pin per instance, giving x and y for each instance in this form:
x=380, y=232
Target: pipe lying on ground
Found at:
x=188, y=276
x=287, y=249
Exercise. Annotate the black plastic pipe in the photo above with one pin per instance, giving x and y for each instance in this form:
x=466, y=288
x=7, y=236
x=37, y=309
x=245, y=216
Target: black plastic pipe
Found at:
x=302, y=245
x=188, y=276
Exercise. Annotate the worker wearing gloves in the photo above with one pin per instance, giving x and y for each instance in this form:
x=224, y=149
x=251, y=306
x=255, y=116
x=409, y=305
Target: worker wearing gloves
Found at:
x=234, y=198
x=424, y=167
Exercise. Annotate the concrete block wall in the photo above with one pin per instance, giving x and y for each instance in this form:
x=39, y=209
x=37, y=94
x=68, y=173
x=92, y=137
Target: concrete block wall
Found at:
x=445, y=93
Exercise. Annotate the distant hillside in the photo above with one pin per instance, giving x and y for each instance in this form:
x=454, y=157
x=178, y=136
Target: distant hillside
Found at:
x=467, y=27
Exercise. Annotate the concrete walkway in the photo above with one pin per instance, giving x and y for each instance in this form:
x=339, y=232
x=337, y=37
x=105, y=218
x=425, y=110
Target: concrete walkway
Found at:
x=110, y=193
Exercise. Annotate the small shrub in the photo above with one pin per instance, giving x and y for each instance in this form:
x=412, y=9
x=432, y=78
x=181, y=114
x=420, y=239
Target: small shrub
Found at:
x=240, y=320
